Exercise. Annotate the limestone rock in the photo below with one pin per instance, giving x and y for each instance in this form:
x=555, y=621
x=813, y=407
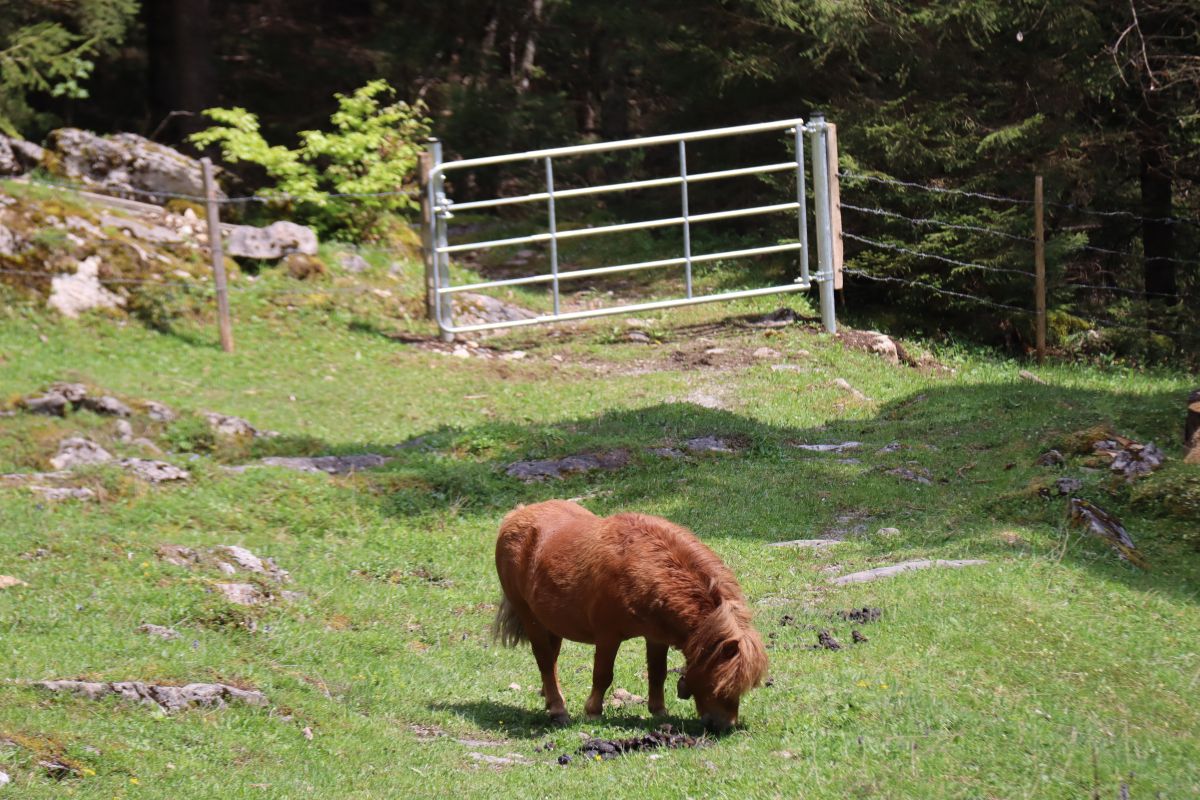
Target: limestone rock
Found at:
x=168, y=698
x=226, y=425
x=159, y=412
x=330, y=465
x=274, y=241
x=570, y=465
x=125, y=163
x=158, y=630
x=18, y=156
x=79, y=452
x=58, y=493
x=155, y=234
x=154, y=471
x=71, y=295
x=480, y=309
x=106, y=405
x=8, y=242
x=353, y=263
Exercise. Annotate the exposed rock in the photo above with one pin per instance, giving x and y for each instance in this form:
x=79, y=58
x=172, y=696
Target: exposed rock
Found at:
x=58, y=493
x=51, y=403
x=570, y=465
x=638, y=337
x=917, y=474
x=497, y=760
x=274, y=241
x=71, y=295
x=893, y=447
x=106, y=405
x=666, y=452
x=226, y=425
x=331, y=465
x=159, y=412
x=839, y=447
x=155, y=471
x=709, y=444
x=480, y=309
x=168, y=698
x=124, y=431
x=779, y=318
x=248, y=562
x=904, y=566
x=767, y=352
x=8, y=582
x=812, y=544
x=8, y=242
x=229, y=559
x=159, y=631
x=1129, y=458
x=18, y=156
x=353, y=263
x=147, y=232
x=74, y=392
x=125, y=163
x=243, y=594
x=78, y=452
x=887, y=533
x=4, y=779
x=1051, y=458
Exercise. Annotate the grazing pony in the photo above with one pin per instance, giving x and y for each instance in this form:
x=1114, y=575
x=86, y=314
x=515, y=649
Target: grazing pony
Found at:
x=568, y=574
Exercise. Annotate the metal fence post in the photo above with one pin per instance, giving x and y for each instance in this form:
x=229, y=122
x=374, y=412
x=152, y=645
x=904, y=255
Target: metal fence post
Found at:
x=802, y=201
x=444, y=309
x=216, y=248
x=824, y=221
x=424, y=164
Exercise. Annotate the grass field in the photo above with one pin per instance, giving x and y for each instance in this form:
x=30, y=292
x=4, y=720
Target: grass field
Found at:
x=1053, y=671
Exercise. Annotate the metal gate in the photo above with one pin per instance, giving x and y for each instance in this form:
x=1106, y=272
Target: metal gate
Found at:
x=440, y=208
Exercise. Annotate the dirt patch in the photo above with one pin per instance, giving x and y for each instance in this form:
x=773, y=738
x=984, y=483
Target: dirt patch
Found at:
x=665, y=737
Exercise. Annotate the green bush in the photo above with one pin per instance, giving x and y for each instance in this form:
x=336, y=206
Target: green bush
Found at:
x=373, y=148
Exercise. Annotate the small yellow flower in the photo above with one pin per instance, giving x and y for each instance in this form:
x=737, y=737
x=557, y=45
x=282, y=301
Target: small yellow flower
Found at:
x=883, y=686
x=597, y=757
x=86, y=772
x=145, y=564
x=862, y=684
x=134, y=781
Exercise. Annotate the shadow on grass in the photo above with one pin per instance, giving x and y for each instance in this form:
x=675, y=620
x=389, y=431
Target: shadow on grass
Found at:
x=521, y=722
x=975, y=446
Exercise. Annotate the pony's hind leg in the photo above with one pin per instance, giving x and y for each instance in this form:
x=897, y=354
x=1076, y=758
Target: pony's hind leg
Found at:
x=602, y=675
x=656, y=668
x=545, y=649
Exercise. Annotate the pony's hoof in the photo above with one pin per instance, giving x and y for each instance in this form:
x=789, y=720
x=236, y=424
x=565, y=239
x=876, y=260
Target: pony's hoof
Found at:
x=593, y=717
x=563, y=719
x=658, y=711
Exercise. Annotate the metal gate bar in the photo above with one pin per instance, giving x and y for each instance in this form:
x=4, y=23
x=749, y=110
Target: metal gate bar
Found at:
x=442, y=209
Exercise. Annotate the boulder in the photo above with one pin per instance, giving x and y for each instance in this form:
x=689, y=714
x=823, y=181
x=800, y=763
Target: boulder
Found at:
x=18, y=156
x=8, y=242
x=71, y=295
x=353, y=263
x=274, y=241
x=126, y=163
x=79, y=452
x=147, y=232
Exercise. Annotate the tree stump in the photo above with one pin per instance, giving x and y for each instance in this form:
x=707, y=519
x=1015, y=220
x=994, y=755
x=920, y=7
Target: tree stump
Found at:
x=1191, y=429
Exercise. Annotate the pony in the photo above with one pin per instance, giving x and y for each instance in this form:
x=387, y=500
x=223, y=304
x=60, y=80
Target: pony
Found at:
x=568, y=574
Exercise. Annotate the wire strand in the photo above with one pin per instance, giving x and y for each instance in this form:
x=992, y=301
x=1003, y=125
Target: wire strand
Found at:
x=928, y=221
x=948, y=260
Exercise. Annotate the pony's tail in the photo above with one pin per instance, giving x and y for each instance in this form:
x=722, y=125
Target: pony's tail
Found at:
x=507, y=628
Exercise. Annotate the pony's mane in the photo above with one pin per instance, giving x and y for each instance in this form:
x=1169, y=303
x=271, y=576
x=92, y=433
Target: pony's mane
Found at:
x=722, y=619
x=726, y=627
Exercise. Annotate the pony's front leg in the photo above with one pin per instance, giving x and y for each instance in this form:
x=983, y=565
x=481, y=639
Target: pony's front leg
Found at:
x=545, y=649
x=602, y=675
x=656, y=669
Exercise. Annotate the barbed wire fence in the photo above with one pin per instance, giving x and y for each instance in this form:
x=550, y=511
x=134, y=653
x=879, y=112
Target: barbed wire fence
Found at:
x=1014, y=296
x=1015, y=292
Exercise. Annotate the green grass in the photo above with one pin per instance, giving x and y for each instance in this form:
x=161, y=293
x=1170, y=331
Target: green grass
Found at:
x=1054, y=671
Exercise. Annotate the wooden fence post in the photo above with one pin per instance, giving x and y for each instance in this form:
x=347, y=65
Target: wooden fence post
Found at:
x=218, y=256
x=835, y=203
x=424, y=165
x=1039, y=262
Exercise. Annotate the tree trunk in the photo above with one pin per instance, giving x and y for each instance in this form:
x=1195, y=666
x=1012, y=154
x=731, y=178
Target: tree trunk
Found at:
x=1158, y=235
x=180, y=60
x=1191, y=429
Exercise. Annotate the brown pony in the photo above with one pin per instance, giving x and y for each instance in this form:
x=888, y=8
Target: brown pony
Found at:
x=568, y=574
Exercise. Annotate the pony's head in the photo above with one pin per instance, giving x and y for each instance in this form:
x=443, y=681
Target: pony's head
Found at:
x=725, y=659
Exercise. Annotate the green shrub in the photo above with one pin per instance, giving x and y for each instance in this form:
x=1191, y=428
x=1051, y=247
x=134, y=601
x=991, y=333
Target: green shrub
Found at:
x=373, y=148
